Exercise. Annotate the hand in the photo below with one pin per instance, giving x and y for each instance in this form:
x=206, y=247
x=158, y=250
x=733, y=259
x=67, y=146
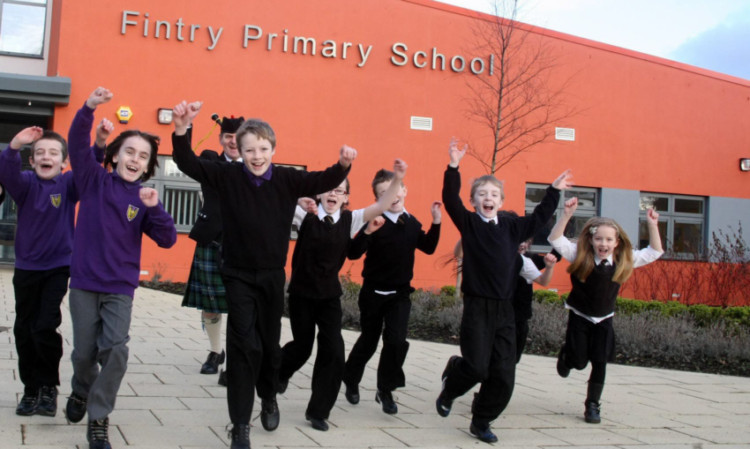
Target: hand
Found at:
x=437, y=214
x=549, y=260
x=456, y=153
x=652, y=216
x=99, y=96
x=149, y=196
x=103, y=131
x=25, y=137
x=308, y=205
x=399, y=168
x=374, y=224
x=183, y=114
x=570, y=207
x=347, y=154
x=564, y=181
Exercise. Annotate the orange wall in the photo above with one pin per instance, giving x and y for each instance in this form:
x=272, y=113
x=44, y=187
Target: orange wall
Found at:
x=645, y=123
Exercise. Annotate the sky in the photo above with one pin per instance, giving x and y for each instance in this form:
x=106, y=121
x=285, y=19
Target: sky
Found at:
x=712, y=34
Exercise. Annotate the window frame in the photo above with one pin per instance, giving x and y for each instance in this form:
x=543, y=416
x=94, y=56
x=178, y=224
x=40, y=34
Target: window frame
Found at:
x=34, y=4
x=582, y=211
x=169, y=177
x=671, y=217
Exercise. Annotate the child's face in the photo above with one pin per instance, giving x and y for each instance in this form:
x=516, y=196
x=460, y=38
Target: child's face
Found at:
x=334, y=199
x=132, y=159
x=604, y=241
x=229, y=144
x=256, y=153
x=397, y=206
x=47, y=159
x=487, y=200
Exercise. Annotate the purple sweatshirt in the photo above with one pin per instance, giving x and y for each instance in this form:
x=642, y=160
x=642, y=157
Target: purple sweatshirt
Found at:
x=46, y=210
x=111, y=220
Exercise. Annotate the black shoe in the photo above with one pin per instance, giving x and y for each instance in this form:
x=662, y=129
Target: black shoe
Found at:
x=283, y=384
x=269, y=414
x=562, y=367
x=591, y=415
x=97, y=434
x=75, y=409
x=240, y=436
x=443, y=406
x=317, y=423
x=223, y=378
x=484, y=434
x=385, y=398
x=352, y=393
x=29, y=403
x=47, y=401
x=212, y=363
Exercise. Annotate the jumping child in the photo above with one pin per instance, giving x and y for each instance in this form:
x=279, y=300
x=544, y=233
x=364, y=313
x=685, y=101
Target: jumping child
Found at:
x=602, y=260
x=46, y=200
x=490, y=268
x=258, y=200
x=315, y=291
x=115, y=212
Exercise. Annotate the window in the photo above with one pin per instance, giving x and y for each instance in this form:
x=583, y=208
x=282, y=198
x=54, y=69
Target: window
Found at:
x=179, y=193
x=588, y=206
x=681, y=223
x=22, y=27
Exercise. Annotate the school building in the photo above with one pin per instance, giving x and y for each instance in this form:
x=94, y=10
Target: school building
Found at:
x=392, y=78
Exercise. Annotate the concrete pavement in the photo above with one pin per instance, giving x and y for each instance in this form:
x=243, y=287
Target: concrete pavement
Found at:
x=165, y=403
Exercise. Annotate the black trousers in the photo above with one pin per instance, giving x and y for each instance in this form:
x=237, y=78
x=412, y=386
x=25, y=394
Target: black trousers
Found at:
x=522, y=335
x=488, y=349
x=387, y=315
x=255, y=300
x=39, y=345
x=304, y=315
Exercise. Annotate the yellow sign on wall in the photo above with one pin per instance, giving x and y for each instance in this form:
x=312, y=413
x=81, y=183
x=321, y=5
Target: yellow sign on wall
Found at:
x=124, y=114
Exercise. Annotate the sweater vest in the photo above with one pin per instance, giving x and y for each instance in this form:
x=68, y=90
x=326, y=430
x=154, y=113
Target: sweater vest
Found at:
x=319, y=254
x=595, y=297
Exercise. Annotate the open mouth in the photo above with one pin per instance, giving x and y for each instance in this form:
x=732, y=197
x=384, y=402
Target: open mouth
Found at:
x=488, y=208
x=331, y=202
x=131, y=169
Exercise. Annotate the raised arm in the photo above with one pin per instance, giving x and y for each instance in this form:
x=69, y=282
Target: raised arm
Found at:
x=549, y=263
x=10, y=162
x=559, y=228
x=183, y=155
x=654, y=239
x=389, y=196
x=452, y=184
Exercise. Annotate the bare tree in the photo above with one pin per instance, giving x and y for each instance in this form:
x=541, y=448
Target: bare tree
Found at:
x=520, y=101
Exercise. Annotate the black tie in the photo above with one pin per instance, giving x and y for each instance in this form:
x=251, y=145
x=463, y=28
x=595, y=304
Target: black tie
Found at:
x=401, y=219
x=329, y=220
x=492, y=222
x=604, y=263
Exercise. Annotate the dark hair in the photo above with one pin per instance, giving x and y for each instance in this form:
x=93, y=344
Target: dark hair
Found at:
x=257, y=127
x=381, y=176
x=51, y=135
x=114, y=148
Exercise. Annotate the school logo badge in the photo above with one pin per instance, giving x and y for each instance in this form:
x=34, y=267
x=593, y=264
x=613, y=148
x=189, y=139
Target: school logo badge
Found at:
x=132, y=212
x=55, y=199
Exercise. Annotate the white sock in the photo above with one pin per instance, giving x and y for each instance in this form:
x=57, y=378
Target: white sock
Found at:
x=213, y=330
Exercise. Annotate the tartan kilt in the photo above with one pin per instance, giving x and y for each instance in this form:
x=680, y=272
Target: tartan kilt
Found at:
x=205, y=289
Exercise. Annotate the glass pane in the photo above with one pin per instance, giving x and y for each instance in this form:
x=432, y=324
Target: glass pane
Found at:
x=22, y=29
x=688, y=206
x=659, y=202
x=170, y=168
x=688, y=238
x=643, y=234
x=534, y=195
x=586, y=198
x=575, y=226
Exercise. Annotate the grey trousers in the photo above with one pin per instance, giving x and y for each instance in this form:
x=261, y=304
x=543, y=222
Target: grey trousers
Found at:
x=101, y=322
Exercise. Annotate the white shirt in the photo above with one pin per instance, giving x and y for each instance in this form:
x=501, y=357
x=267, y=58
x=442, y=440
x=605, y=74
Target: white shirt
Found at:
x=357, y=218
x=569, y=250
x=529, y=271
x=393, y=216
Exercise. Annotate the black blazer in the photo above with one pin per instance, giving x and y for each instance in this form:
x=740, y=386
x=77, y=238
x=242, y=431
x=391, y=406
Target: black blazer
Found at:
x=208, y=227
